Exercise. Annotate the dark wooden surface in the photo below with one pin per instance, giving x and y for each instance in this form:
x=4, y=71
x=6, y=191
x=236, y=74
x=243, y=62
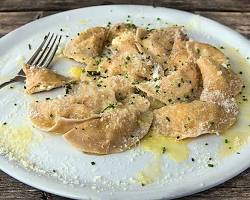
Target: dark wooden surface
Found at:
x=233, y=13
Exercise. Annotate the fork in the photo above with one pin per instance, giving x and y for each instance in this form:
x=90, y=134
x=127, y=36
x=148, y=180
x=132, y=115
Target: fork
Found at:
x=42, y=57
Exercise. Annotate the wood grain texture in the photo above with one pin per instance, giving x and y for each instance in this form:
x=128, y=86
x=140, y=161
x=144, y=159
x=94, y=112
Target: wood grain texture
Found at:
x=237, y=188
x=236, y=20
x=233, y=13
x=191, y=5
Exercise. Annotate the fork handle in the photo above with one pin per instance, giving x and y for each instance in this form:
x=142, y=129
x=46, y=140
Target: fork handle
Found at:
x=13, y=80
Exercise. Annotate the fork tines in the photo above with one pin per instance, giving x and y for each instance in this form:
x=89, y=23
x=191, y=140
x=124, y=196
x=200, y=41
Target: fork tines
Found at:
x=46, y=51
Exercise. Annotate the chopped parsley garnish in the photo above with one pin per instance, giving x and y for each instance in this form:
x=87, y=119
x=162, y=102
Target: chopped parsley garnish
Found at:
x=98, y=60
x=226, y=141
x=211, y=123
x=210, y=165
x=158, y=18
x=47, y=98
x=94, y=73
x=92, y=163
x=157, y=87
x=164, y=150
x=206, y=144
x=68, y=88
x=110, y=106
x=167, y=118
x=29, y=45
x=135, y=82
x=127, y=58
x=109, y=24
x=192, y=159
x=5, y=123
x=130, y=25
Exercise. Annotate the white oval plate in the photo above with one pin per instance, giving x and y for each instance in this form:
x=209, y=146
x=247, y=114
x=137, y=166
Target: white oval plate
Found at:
x=73, y=175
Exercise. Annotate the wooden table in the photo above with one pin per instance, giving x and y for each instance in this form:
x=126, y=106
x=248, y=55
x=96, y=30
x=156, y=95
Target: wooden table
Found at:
x=233, y=13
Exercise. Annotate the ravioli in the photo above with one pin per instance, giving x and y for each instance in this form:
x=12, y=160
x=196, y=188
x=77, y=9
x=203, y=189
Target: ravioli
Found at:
x=126, y=59
x=182, y=80
x=198, y=49
x=178, y=57
x=219, y=83
x=116, y=130
x=182, y=85
x=158, y=43
x=89, y=101
x=185, y=120
x=86, y=45
x=40, y=79
x=119, y=29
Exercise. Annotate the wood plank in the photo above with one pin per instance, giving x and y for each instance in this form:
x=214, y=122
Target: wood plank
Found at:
x=237, y=188
x=236, y=20
x=12, y=189
x=9, y=21
x=208, y=5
